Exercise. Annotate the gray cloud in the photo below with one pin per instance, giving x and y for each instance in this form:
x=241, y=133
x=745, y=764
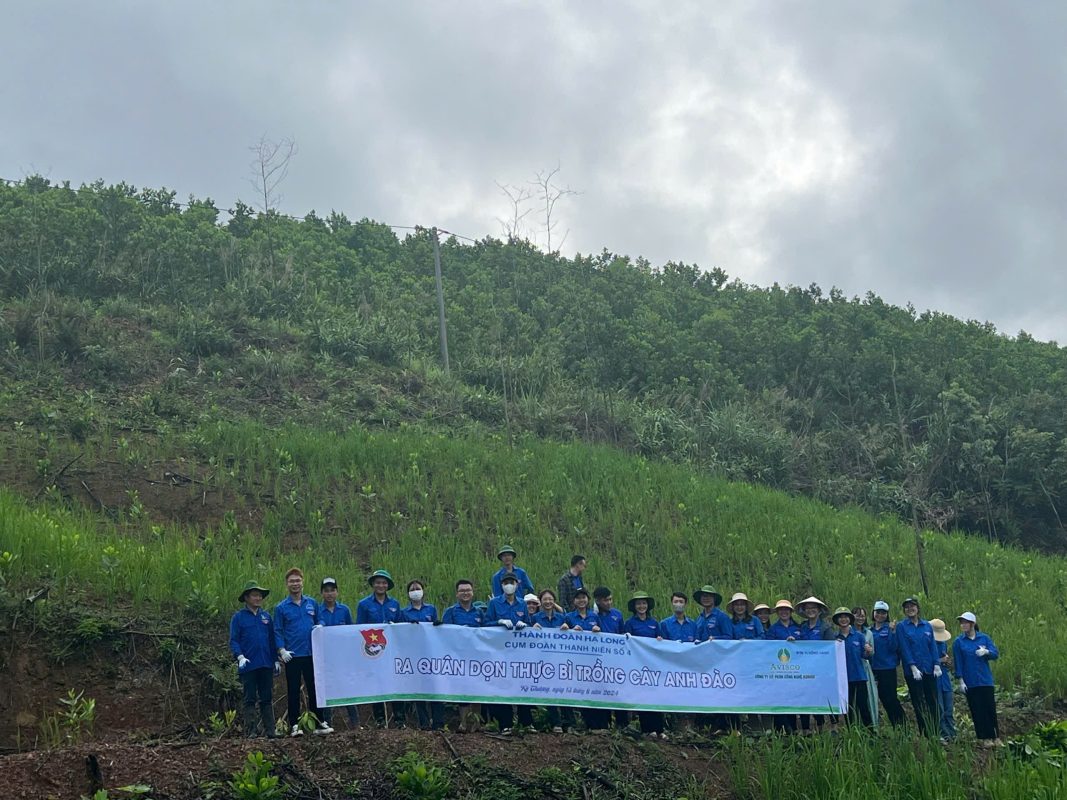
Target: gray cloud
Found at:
x=915, y=150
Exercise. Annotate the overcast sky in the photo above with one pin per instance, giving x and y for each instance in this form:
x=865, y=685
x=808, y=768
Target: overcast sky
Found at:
x=913, y=149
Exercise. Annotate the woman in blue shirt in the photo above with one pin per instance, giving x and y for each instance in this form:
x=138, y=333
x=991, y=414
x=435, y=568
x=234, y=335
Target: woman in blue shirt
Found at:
x=972, y=651
x=642, y=624
x=581, y=619
x=745, y=625
x=857, y=652
x=548, y=617
x=884, y=663
x=430, y=715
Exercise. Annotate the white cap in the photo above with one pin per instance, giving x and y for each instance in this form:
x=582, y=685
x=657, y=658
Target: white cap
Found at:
x=329, y=581
x=881, y=605
x=969, y=616
x=532, y=598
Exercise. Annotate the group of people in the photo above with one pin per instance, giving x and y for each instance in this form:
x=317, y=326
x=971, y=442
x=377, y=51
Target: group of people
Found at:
x=264, y=645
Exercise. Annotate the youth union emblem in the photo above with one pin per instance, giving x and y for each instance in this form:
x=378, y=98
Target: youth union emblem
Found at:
x=373, y=642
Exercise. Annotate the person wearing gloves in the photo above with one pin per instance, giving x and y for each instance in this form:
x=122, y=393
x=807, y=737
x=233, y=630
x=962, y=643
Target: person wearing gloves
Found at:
x=857, y=652
x=712, y=622
x=253, y=644
x=570, y=582
x=548, y=616
x=784, y=629
x=507, y=611
x=431, y=715
x=642, y=623
x=918, y=653
x=885, y=661
x=333, y=613
x=466, y=613
x=944, y=682
x=745, y=625
x=813, y=628
x=507, y=557
x=581, y=619
x=971, y=653
x=294, y=619
x=378, y=608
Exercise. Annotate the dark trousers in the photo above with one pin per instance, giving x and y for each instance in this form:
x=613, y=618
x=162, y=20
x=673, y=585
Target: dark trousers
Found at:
x=353, y=716
x=886, y=681
x=258, y=685
x=300, y=667
x=983, y=707
x=431, y=715
x=924, y=701
x=650, y=721
x=596, y=719
x=503, y=715
x=859, y=703
x=399, y=714
x=785, y=723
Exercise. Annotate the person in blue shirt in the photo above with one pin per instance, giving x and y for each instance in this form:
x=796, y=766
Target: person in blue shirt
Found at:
x=918, y=654
x=972, y=651
x=294, y=619
x=678, y=628
x=762, y=612
x=378, y=608
x=509, y=612
x=712, y=622
x=533, y=605
x=465, y=612
x=813, y=628
x=609, y=620
x=857, y=652
x=332, y=613
x=548, y=616
x=581, y=619
x=944, y=682
x=430, y=714
x=745, y=625
x=641, y=623
x=253, y=645
x=785, y=629
x=885, y=661
x=507, y=556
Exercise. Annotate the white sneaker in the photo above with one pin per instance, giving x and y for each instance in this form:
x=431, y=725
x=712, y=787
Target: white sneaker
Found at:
x=296, y=731
x=323, y=728
x=557, y=729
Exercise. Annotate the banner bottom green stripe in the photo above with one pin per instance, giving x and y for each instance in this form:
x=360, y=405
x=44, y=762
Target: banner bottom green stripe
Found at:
x=577, y=703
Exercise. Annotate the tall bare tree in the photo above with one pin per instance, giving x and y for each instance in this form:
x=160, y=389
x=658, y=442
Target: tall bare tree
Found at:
x=550, y=193
x=269, y=167
x=514, y=225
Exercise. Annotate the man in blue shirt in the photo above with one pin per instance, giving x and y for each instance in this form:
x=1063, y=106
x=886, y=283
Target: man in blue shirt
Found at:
x=378, y=608
x=610, y=620
x=712, y=622
x=294, y=619
x=510, y=612
x=918, y=653
x=464, y=612
x=253, y=644
x=885, y=661
x=678, y=628
x=332, y=613
x=507, y=556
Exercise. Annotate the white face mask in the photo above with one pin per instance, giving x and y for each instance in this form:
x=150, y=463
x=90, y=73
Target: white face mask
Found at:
x=415, y=595
x=678, y=607
x=509, y=588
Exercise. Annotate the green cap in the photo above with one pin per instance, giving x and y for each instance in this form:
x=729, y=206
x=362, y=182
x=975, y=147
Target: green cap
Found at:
x=249, y=587
x=847, y=612
x=707, y=589
x=381, y=573
x=506, y=549
x=640, y=596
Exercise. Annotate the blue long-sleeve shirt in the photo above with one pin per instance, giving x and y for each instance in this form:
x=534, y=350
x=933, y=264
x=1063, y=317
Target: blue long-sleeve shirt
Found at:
x=714, y=625
x=293, y=623
x=541, y=618
x=341, y=615
x=427, y=613
x=586, y=623
x=886, y=648
x=469, y=618
x=973, y=668
x=750, y=628
x=525, y=584
x=647, y=627
x=917, y=645
x=782, y=631
x=370, y=612
x=252, y=636
x=854, y=655
x=820, y=632
x=684, y=631
x=611, y=621
x=500, y=608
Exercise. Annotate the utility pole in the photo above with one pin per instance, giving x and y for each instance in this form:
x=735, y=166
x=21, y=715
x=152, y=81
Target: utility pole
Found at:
x=440, y=299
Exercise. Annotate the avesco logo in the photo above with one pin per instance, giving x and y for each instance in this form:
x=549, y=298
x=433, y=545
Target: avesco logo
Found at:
x=783, y=665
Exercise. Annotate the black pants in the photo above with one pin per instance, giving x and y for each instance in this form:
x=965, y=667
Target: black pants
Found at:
x=353, y=717
x=886, y=681
x=924, y=701
x=981, y=702
x=399, y=714
x=300, y=667
x=651, y=721
x=503, y=715
x=859, y=703
x=258, y=684
x=785, y=723
x=596, y=719
x=431, y=715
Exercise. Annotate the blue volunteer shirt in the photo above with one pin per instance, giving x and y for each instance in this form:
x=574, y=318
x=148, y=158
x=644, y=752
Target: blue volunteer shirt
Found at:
x=611, y=621
x=854, y=655
x=500, y=608
x=886, y=648
x=575, y=620
x=252, y=636
x=647, y=628
x=810, y=634
x=917, y=646
x=427, y=613
x=341, y=615
x=747, y=628
x=371, y=612
x=455, y=614
x=714, y=625
x=293, y=623
x=525, y=584
x=675, y=631
x=973, y=668
x=541, y=618
x=782, y=631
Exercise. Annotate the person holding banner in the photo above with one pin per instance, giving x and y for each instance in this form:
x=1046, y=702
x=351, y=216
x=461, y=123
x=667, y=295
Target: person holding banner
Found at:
x=813, y=628
x=641, y=623
x=712, y=622
x=581, y=619
x=378, y=608
x=762, y=612
x=971, y=652
x=507, y=556
x=678, y=628
x=430, y=715
x=466, y=613
x=333, y=613
x=609, y=620
x=547, y=617
x=294, y=619
x=785, y=629
x=745, y=625
x=508, y=612
x=884, y=663
x=253, y=643
x=570, y=582
x=857, y=651
x=918, y=652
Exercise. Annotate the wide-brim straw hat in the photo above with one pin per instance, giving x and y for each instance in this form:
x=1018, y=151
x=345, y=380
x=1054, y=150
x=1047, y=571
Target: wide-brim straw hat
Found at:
x=941, y=633
x=250, y=586
x=761, y=607
x=707, y=589
x=640, y=596
x=844, y=611
x=738, y=597
x=381, y=573
x=783, y=604
x=814, y=600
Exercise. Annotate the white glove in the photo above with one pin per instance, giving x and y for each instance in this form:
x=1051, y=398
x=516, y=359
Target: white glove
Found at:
x=963, y=686
x=505, y=622
x=320, y=625
x=520, y=625
x=916, y=674
x=937, y=671
x=982, y=651
x=277, y=668
x=241, y=661
x=285, y=655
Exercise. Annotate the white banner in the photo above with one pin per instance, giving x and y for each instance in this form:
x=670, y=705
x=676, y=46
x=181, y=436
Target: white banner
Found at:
x=375, y=663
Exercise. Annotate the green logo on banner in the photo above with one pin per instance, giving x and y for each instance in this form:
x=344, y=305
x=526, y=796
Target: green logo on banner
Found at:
x=783, y=656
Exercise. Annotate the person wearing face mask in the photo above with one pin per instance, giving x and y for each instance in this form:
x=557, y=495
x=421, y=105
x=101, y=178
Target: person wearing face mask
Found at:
x=429, y=714
x=971, y=652
x=642, y=623
x=885, y=661
x=918, y=652
x=678, y=627
x=507, y=611
x=333, y=613
x=378, y=608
